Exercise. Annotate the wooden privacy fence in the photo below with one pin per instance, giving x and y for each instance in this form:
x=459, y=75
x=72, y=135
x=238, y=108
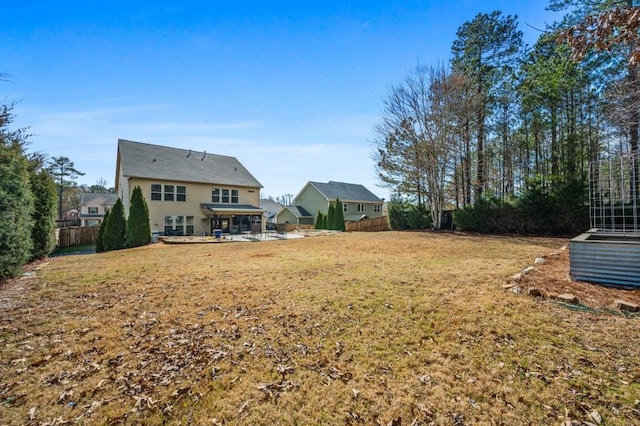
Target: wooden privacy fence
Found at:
x=76, y=236
x=376, y=224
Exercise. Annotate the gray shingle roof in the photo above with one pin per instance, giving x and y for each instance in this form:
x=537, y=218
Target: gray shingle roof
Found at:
x=299, y=211
x=88, y=197
x=270, y=207
x=160, y=162
x=345, y=191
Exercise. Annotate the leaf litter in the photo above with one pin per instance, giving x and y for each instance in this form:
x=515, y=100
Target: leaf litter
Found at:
x=304, y=331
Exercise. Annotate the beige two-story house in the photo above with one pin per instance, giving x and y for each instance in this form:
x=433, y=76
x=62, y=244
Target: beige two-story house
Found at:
x=188, y=192
x=93, y=206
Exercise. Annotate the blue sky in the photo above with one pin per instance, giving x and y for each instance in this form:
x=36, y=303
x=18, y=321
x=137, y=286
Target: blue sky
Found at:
x=292, y=89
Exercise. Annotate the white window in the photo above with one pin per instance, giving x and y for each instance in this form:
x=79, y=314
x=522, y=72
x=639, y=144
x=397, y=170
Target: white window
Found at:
x=178, y=225
x=181, y=193
x=224, y=196
x=168, y=193
x=377, y=208
x=345, y=207
x=156, y=192
x=93, y=210
x=360, y=208
x=169, y=224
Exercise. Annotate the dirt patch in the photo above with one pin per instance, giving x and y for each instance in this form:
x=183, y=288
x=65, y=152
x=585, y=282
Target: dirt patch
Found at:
x=552, y=278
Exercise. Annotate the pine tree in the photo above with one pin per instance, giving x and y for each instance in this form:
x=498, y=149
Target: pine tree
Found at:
x=338, y=216
x=63, y=169
x=486, y=49
x=329, y=219
x=138, y=231
x=319, y=220
x=100, y=239
x=114, y=231
x=16, y=207
x=43, y=233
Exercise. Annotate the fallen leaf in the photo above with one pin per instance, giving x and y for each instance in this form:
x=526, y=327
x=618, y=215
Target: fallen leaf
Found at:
x=244, y=406
x=595, y=416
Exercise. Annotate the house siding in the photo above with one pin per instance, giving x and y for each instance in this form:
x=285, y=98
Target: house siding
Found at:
x=197, y=193
x=369, y=209
x=312, y=200
x=122, y=188
x=286, y=216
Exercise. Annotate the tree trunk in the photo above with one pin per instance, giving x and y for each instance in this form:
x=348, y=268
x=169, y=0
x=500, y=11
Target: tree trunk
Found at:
x=554, y=142
x=480, y=184
x=467, y=164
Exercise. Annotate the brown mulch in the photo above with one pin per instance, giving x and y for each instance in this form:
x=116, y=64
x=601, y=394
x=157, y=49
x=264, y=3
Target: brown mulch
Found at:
x=552, y=278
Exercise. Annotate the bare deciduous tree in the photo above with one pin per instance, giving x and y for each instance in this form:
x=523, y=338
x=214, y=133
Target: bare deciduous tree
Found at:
x=418, y=136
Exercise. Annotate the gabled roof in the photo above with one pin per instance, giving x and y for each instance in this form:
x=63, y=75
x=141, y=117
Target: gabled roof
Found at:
x=270, y=207
x=144, y=160
x=298, y=211
x=88, y=197
x=345, y=191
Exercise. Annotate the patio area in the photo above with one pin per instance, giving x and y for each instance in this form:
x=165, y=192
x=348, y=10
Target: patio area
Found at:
x=237, y=238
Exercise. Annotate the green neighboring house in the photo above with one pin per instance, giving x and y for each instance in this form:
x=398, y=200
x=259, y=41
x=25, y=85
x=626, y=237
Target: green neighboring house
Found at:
x=358, y=202
x=295, y=215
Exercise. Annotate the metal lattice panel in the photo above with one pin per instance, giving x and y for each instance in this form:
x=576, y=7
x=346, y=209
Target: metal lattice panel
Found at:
x=614, y=195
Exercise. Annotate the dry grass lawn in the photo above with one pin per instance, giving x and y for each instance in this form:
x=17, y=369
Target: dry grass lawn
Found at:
x=355, y=328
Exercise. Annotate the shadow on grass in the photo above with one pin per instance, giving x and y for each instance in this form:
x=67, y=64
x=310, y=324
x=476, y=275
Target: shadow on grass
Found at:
x=85, y=249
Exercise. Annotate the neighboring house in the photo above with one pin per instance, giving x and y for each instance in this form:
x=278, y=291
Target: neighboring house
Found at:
x=94, y=206
x=270, y=207
x=69, y=219
x=71, y=215
x=188, y=192
x=295, y=215
x=357, y=201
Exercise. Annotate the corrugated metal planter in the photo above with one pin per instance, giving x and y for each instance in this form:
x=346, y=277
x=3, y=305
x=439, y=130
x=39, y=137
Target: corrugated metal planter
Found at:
x=610, y=259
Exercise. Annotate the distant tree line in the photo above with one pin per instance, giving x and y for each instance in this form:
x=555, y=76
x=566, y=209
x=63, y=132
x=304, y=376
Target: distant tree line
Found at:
x=504, y=125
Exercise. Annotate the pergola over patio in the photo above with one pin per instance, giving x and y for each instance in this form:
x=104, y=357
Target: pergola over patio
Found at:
x=231, y=218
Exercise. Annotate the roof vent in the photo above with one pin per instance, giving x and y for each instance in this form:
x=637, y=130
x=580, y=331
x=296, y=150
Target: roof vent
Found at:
x=204, y=156
x=189, y=154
